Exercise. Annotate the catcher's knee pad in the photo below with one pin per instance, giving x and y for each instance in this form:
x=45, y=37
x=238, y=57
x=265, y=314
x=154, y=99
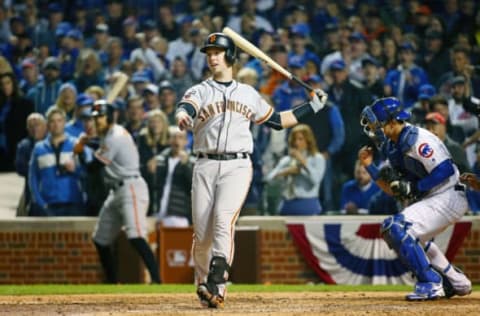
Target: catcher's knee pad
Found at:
x=219, y=270
x=395, y=232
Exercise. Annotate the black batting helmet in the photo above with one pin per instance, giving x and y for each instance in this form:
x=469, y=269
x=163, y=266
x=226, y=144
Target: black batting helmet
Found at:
x=221, y=40
x=102, y=107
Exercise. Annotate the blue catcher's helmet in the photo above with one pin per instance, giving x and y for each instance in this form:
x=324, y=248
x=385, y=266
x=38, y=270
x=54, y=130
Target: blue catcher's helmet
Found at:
x=386, y=109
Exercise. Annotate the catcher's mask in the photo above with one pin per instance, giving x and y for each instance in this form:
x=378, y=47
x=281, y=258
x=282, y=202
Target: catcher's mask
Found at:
x=372, y=127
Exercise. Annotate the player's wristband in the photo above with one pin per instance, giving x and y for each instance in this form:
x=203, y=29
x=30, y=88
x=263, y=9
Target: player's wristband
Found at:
x=187, y=107
x=373, y=171
x=303, y=110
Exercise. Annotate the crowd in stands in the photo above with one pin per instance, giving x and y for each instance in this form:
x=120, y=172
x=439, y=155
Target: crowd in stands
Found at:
x=57, y=58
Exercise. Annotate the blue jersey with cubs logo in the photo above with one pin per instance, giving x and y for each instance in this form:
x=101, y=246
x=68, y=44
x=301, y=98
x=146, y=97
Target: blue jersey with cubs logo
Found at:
x=422, y=158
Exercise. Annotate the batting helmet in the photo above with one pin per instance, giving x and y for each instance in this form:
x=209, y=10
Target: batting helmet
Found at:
x=386, y=109
x=102, y=107
x=221, y=40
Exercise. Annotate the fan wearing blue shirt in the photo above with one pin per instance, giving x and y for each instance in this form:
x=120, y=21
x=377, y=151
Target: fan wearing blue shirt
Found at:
x=357, y=193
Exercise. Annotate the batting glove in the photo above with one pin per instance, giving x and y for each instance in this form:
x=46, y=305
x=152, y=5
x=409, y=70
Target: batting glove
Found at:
x=319, y=99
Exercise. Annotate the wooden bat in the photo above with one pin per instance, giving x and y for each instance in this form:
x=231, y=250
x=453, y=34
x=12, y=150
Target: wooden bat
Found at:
x=121, y=80
x=253, y=50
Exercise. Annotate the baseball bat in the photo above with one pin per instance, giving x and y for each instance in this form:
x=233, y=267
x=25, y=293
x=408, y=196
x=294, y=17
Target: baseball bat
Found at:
x=254, y=51
x=121, y=80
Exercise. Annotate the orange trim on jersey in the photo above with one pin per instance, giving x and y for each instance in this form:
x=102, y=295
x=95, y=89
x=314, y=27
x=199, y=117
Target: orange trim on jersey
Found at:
x=102, y=159
x=266, y=117
x=197, y=108
x=135, y=210
x=234, y=220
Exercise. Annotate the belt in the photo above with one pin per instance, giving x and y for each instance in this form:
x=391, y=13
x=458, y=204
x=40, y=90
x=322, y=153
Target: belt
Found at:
x=122, y=182
x=226, y=156
x=459, y=187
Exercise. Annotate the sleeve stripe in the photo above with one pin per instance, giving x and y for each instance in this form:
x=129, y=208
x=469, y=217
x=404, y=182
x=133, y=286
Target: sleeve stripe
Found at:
x=266, y=117
x=197, y=108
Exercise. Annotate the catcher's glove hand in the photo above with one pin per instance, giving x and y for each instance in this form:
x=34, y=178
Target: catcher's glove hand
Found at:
x=402, y=189
x=388, y=174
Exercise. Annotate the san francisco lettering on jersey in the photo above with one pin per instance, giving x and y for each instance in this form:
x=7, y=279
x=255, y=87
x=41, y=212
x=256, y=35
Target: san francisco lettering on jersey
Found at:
x=218, y=107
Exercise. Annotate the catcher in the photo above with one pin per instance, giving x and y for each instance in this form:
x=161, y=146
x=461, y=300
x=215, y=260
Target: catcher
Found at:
x=423, y=175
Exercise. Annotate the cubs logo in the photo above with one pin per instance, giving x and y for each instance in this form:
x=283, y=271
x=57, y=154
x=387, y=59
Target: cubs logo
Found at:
x=212, y=38
x=425, y=150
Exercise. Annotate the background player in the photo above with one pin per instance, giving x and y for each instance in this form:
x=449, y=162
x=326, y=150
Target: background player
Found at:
x=127, y=203
x=422, y=173
x=219, y=111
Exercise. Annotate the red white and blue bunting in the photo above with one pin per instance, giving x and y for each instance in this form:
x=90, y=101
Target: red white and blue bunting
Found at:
x=353, y=252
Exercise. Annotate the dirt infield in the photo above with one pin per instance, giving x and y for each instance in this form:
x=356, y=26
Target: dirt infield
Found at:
x=305, y=303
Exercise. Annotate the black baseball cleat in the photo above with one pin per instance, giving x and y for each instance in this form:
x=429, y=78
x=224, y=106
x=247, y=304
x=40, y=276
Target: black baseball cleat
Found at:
x=209, y=297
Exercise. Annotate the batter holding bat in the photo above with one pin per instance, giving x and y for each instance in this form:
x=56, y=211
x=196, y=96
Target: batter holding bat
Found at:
x=219, y=112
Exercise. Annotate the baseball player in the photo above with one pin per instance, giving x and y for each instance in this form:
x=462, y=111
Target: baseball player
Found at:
x=127, y=203
x=422, y=174
x=219, y=111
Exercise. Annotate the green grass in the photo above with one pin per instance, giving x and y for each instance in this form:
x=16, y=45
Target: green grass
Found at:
x=58, y=289
x=177, y=288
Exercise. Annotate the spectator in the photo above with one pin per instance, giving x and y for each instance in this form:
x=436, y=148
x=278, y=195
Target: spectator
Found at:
x=45, y=92
x=54, y=175
x=274, y=79
x=168, y=100
x=30, y=75
x=148, y=55
x=303, y=169
x=440, y=104
x=75, y=127
x=88, y=70
x=357, y=193
x=14, y=110
x=422, y=106
x=372, y=78
x=69, y=51
x=299, y=36
x=358, y=53
x=436, y=123
x=390, y=53
x=290, y=93
x=174, y=169
x=181, y=78
x=44, y=31
x=100, y=42
x=460, y=66
x=152, y=140
x=458, y=114
x=329, y=131
x=150, y=94
x=114, y=56
x=129, y=39
x=167, y=25
x=135, y=116
x=182, y=45
x=115, y=17
x=67, y=97
x=405, y=81
x=248, y=7
x=350, y=99
x=383, y=204
x=435, y=59
x=37, y=130
x=140, y=80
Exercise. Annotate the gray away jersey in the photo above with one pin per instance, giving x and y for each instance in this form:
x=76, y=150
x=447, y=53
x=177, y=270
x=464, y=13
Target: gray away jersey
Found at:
x=224, y=114
x=119, y=153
